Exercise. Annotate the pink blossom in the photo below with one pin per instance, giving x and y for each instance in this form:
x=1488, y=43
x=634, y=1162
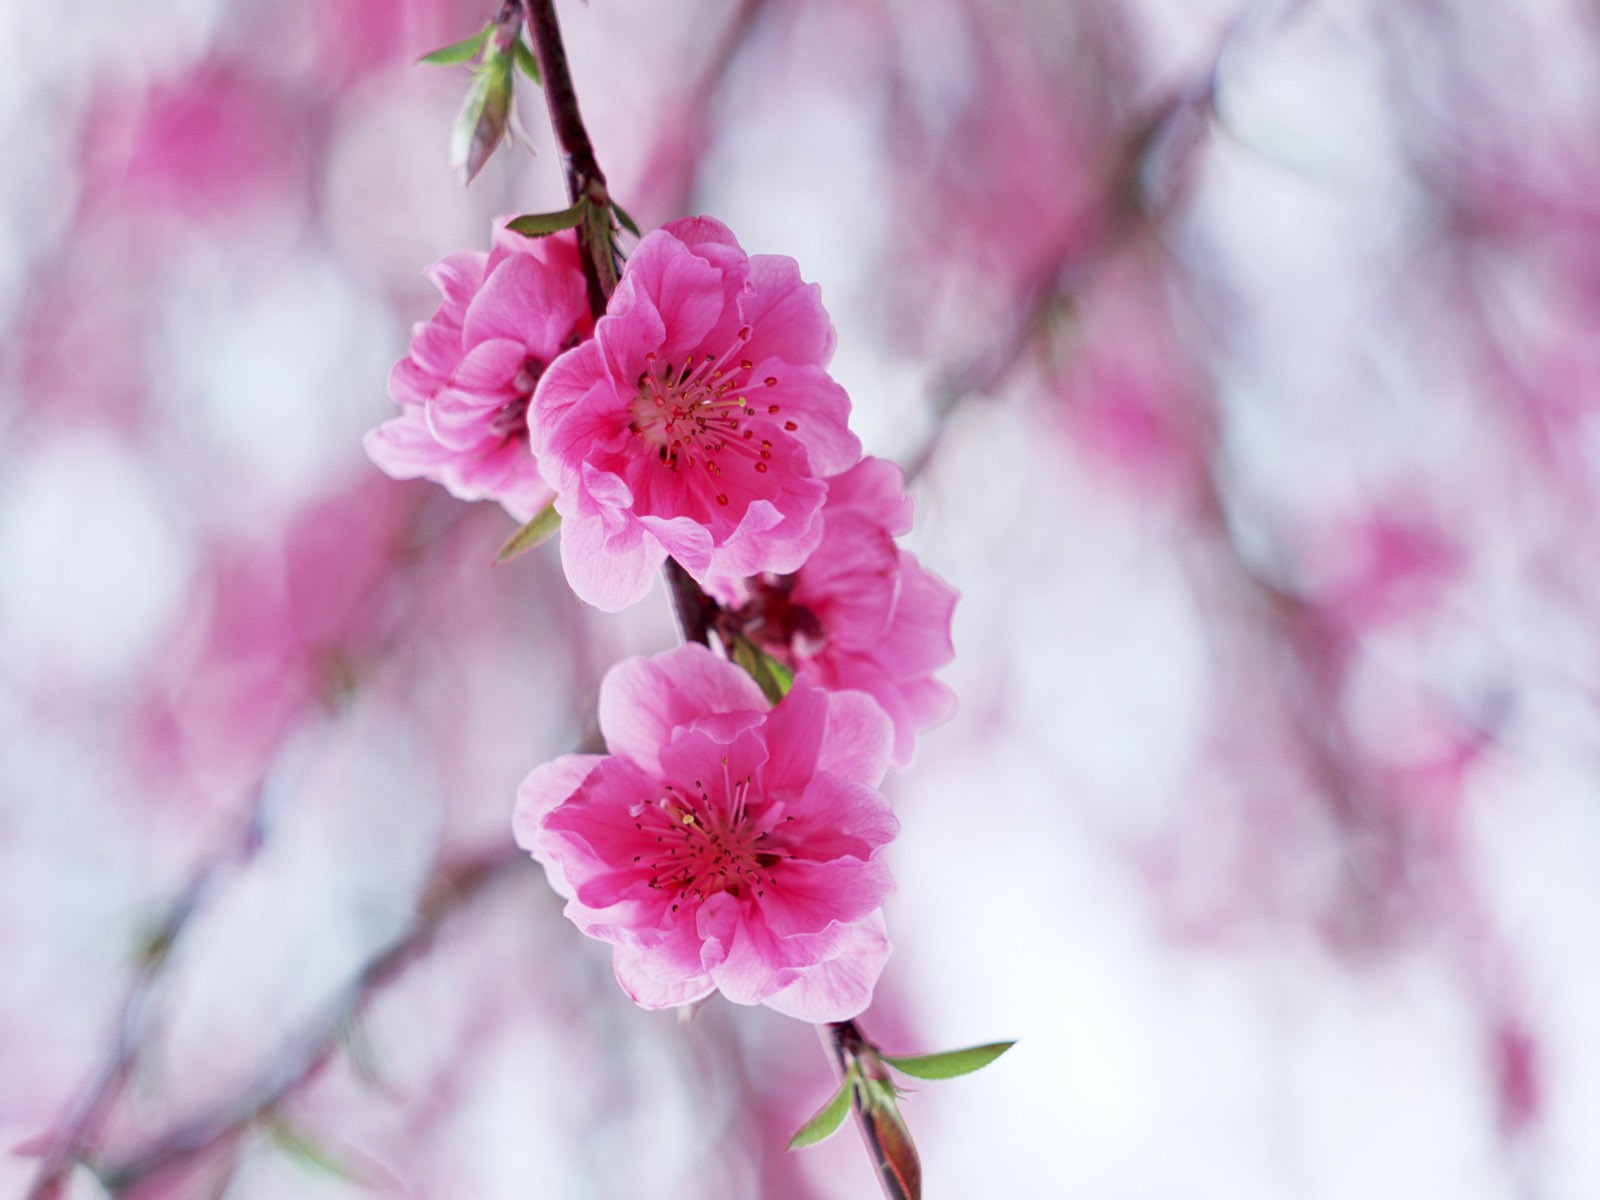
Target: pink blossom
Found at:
x=860, y=613
x=722, y=844
x=465, y=387
x=698, y=423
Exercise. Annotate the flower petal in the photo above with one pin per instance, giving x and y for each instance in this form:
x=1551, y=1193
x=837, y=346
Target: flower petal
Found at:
x=840, y=987
x=644, y=700
x=608, y=570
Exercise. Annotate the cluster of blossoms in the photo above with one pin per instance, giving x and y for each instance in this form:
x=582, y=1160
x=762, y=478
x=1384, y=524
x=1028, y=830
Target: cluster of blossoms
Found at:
x=725, y=843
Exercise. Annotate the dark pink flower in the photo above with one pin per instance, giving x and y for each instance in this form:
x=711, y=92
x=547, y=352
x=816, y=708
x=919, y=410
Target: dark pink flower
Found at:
x=699, y=422
x=464, y=388
x=860, y=613
x=722, y=844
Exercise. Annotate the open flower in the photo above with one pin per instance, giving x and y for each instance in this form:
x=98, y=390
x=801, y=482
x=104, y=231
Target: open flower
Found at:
x=699, y=422
x=465, y=386
x=722, y=844
x=860, y=613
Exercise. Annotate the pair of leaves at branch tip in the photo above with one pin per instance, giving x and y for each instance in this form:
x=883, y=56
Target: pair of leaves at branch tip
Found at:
x=771, y=676
x=535, y=533
x=881, y=1093
x=467, y=48
x=487, y=112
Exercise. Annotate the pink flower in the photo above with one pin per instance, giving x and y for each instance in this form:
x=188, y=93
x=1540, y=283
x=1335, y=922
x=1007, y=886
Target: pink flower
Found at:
x=860, y=613
x=699, y=422
x=722, y=844
x=464, y=388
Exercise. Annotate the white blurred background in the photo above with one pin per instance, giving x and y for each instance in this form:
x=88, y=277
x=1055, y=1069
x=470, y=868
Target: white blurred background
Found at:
x=1245, y=358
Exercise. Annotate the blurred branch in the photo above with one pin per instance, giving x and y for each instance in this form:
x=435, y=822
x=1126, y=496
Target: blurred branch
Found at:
x=80, y=1129
x=1144, y=184
x=1065, y=274
x=451, y=889
x=685, y=134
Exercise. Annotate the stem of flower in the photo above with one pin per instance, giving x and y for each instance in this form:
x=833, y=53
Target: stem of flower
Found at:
x=888, y=1142
x=585, y=179
x=696, y=611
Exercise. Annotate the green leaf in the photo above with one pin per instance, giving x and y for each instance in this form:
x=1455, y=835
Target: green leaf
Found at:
x=949, y=1064
x=457, y=52
x=771, y=676
x=625, y=220
x=598, y=239
x=829, y=1117
x=302, y=1149
x=528, y=63
x=544, y=224
x=535, y=533
x=783, y=678
x=482, y=121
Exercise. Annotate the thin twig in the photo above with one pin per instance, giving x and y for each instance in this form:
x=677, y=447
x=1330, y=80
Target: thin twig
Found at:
x=696, y=612
x=888, y=1142
x=585, y=179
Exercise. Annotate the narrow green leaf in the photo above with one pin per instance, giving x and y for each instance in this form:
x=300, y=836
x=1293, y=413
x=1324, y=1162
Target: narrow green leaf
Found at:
x=457, y=52
x=534, y=533
x=949, y=1064
x=771, y=676
x=829, y=1117
x=625, y=220
x=528, y=63
x=783, y=678
x=302, y=1149
x=598, y=238
x=482, y=121
x=544, y=224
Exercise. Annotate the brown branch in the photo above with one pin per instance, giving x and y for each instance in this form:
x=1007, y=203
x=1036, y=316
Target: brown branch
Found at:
x=696, y=612
x=894, y=1155
x=887, y=1140
x=585, y=179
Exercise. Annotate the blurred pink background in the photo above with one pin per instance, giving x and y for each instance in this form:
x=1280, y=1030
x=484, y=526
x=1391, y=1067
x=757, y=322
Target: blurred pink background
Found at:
x=1245, y=357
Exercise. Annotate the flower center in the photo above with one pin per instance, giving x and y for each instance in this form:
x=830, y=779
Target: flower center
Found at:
x=771, y=618
x=511, y=419
x=697, y=416
x=703, y=846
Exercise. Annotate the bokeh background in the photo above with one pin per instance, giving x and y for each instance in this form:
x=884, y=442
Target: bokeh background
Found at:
x=1244, y=359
